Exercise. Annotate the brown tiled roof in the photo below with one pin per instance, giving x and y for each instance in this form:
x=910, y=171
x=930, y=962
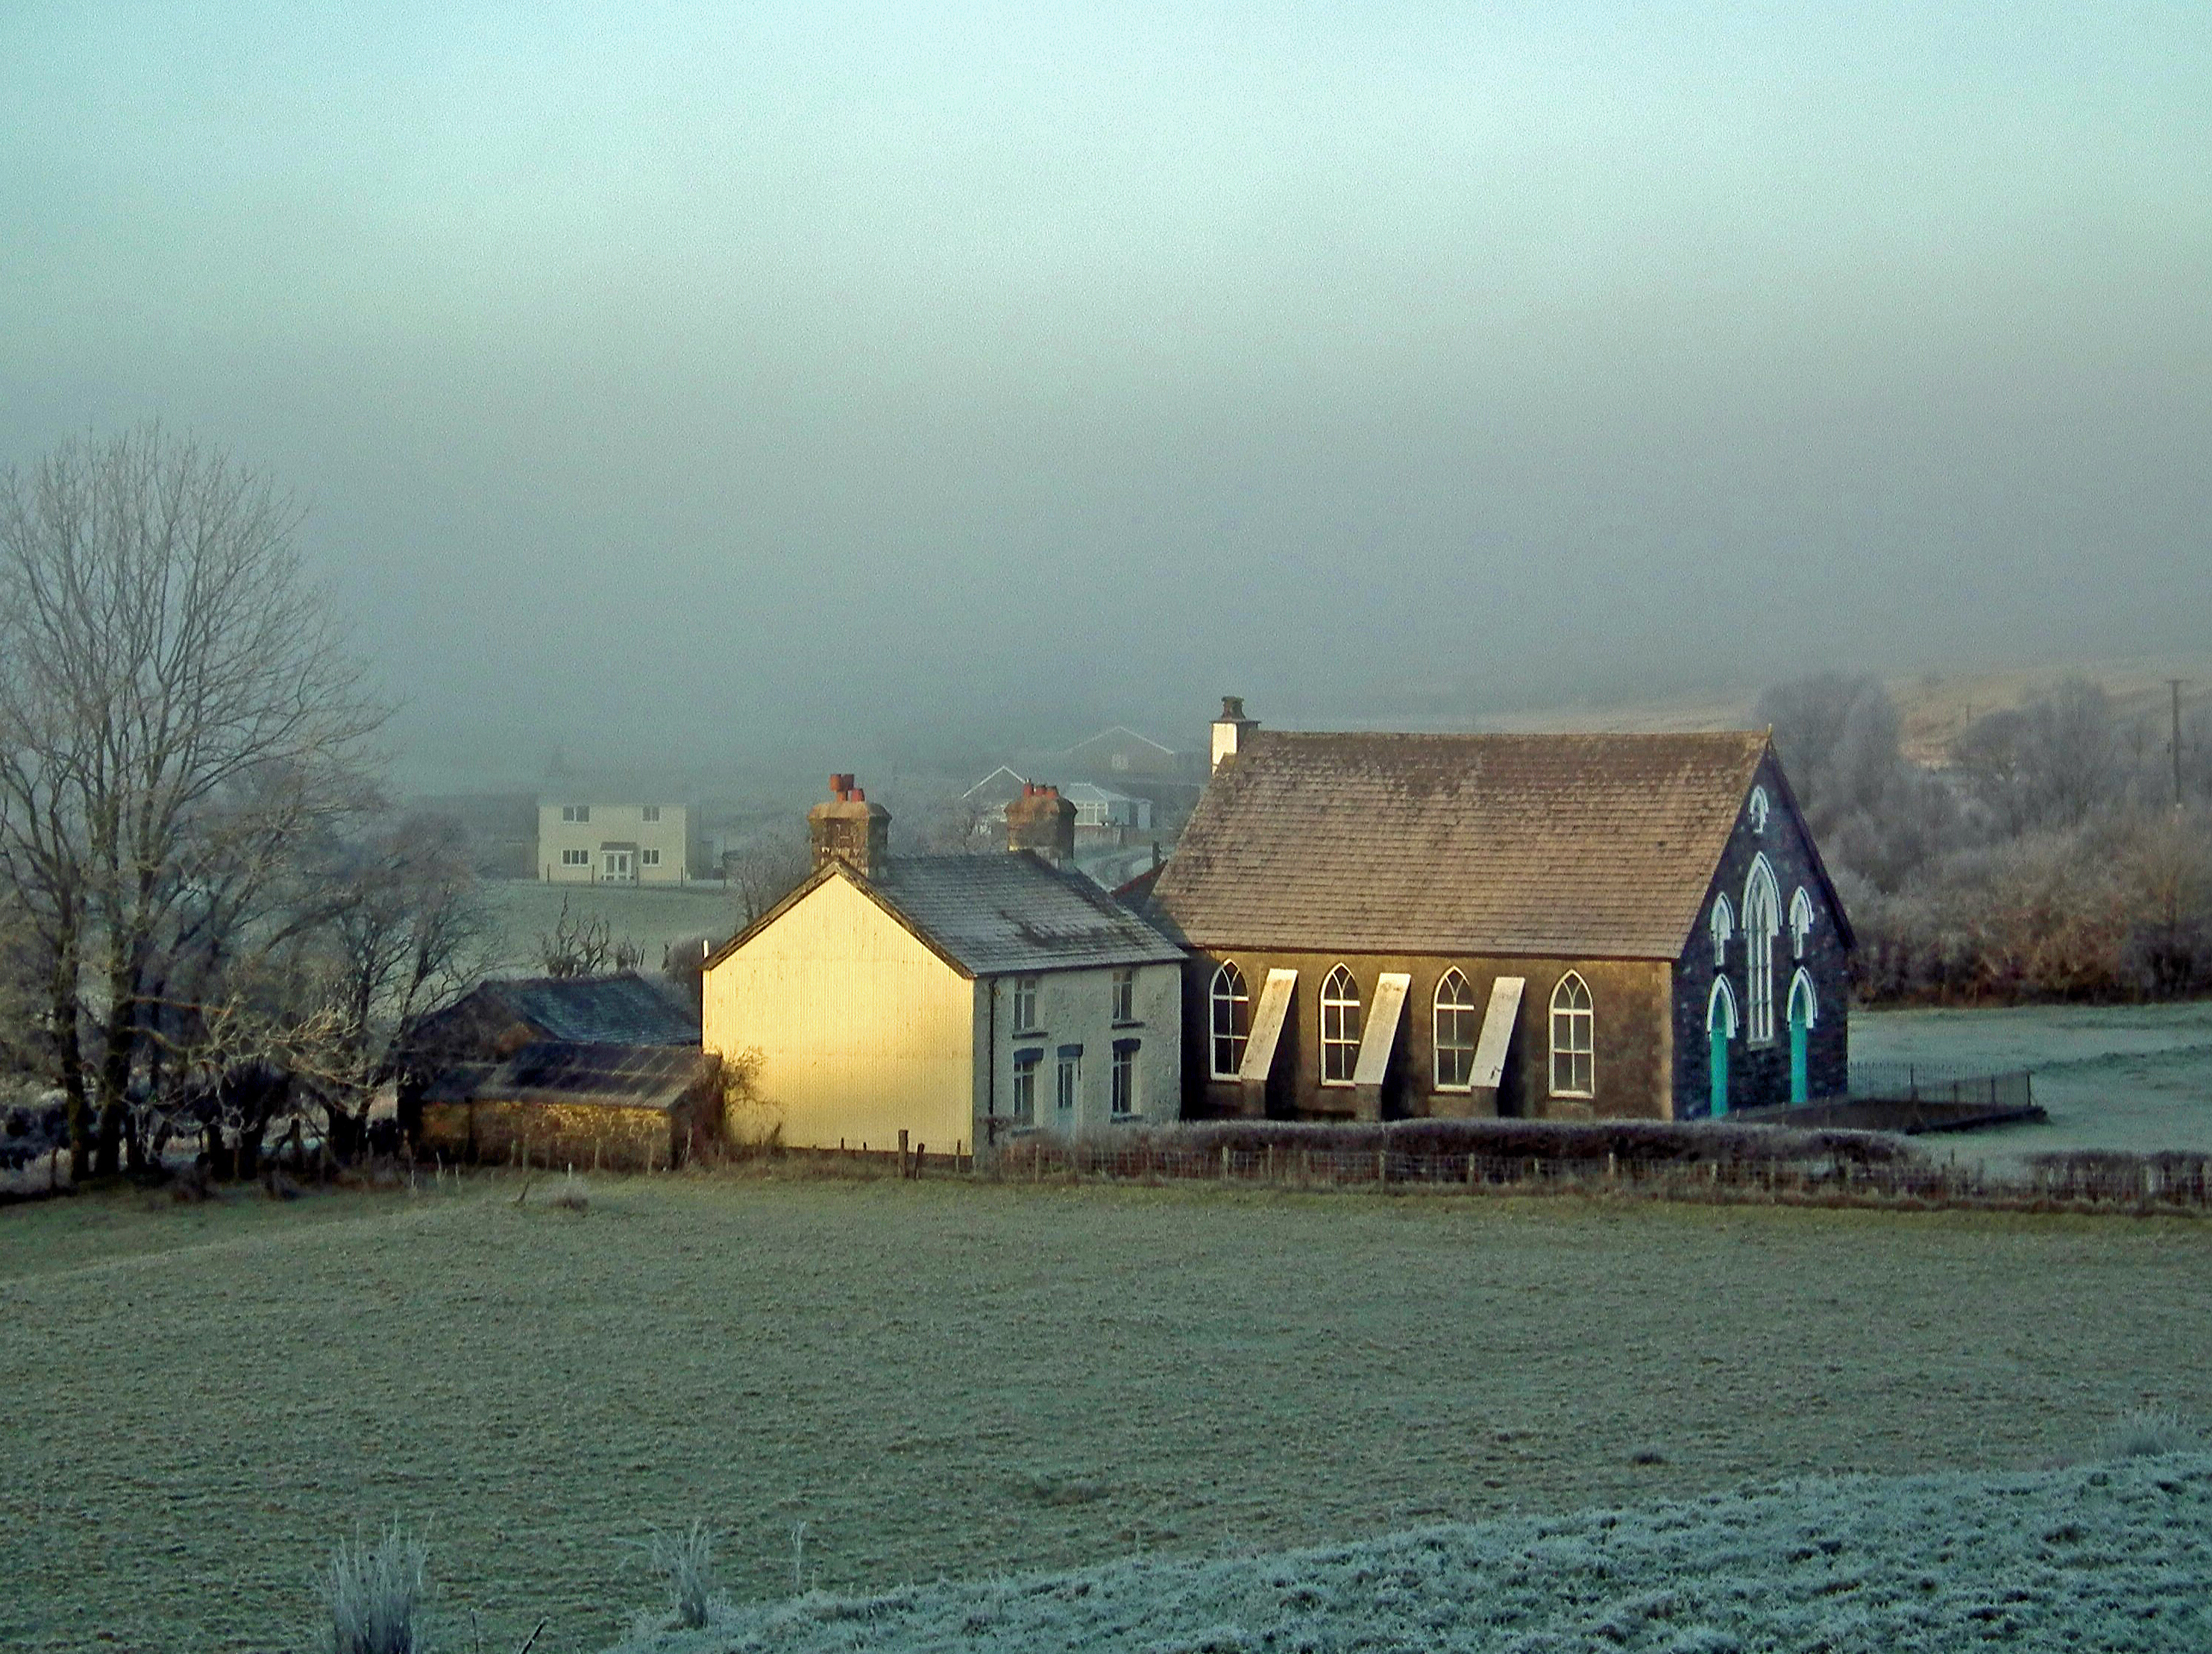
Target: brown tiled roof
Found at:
x=1580, y=846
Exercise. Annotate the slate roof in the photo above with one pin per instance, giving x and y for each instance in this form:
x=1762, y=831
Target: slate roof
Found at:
x=554, y=1071
x=1574, y=845
x=624, y=1009
x=996, y=914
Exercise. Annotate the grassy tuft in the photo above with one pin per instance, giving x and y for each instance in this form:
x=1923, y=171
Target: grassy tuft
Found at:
x=686, y=1561
x=374, y=1594
x=2148, y=1436
x=574, y=1194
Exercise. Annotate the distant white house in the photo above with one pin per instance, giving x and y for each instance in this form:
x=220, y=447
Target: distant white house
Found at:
x=1102, y=808
x=601, y=843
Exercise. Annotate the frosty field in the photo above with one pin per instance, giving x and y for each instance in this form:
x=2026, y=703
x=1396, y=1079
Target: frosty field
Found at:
x=523, y=910
x=2132, y=1077
x=972, y=1381
x=2115, y=1557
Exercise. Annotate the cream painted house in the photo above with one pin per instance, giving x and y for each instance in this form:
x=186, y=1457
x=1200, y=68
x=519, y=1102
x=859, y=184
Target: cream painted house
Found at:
x=585, y=843
x=961, y=1000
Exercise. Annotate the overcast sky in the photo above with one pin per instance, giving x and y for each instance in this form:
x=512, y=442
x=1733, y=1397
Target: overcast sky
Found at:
x=720, y=381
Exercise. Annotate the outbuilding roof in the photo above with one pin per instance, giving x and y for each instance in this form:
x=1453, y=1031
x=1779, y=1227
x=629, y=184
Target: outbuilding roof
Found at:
x=1568, y=845
x=999, y=915
x=623, y=1009
x=657, y=1077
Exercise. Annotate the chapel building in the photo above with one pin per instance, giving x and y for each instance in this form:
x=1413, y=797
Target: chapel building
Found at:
x=1394, y=926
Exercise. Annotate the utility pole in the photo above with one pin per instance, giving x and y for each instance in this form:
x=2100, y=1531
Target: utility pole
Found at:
x=2175, y=683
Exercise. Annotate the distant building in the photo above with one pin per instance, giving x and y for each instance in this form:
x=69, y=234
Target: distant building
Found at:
x=1102, y=809
x=1554, y=925
x=963, y=1000
x=1121, y=751
x=985, y=803
x=600, y=844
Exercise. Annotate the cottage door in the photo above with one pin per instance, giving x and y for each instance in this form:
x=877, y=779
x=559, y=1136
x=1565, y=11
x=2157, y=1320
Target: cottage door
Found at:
x=1716, y=1040
x=1800, y=1079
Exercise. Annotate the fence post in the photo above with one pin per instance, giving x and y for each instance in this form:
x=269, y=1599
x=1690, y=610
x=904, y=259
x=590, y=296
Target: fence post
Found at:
x=1382, y=1168
x=902, y=1151
x=1225, y=1163
x=1470, y=1171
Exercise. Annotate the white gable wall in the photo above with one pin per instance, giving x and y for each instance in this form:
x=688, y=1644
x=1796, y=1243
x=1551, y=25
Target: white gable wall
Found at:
x=1075, y=1007
x=862, y=1030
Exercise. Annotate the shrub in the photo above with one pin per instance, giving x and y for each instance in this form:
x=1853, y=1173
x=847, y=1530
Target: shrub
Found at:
x=2149, y=1435
x=374, y=1594
x=686, y=1561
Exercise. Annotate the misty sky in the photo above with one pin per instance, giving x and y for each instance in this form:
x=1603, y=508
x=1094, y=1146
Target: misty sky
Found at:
x=719, y=381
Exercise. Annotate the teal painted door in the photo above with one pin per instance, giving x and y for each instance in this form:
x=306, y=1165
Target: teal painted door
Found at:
x=1800, y=1085
x=1717, y=1039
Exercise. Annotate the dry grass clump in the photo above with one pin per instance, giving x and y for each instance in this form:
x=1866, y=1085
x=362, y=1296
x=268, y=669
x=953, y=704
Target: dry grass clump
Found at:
x=574, y=1194
x=374, y=1594
x=685, y=1561
x=2146, y=1435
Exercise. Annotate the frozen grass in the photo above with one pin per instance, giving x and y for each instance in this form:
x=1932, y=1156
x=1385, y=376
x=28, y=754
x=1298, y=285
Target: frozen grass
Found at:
x=977, y=1380
x=571, y=1194
x=2117, y=1558
x=652, y=917
x=2132, y=1078
x=2142, y=1435
x=685, y=1562
x=373, y=1594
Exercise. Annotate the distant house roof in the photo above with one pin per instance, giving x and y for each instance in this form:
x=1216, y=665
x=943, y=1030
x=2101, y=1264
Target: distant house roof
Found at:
x=1002, y=785
x=1120, y=734
x=1569, y=845
x=1090, y=792
x=990, y=915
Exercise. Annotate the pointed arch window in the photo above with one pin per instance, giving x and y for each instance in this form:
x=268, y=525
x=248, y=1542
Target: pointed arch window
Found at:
x=1457, y=1026
x=1723, y=927
x=1232, y=1020
x=1340, y=1027
x=1801, y=922
x=1758, y=809
x=1762, y=929
x=1574, y=1043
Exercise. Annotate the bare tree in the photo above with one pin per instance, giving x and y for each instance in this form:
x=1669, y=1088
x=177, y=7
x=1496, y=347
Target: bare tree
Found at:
x=177, y=707
x=766, y=870
x=585, y=944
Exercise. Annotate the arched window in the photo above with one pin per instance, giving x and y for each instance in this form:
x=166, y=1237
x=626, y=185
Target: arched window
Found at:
x=1723, y=927
x=1232, y=1021
x=1801, y=921
x=1456, y=1026
x=1720, y=1009
x=1762, y=928
x=1757, y=810
x=1804, y=1003
x=1340, y=1027
x=1574, y=1045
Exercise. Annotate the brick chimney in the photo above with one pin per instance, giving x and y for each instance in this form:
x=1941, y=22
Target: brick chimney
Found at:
x=846, y=826
x=1042, y=821
x=1231, y=728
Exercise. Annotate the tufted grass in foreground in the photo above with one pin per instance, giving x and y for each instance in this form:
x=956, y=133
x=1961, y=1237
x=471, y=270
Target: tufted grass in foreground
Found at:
x=2114, y=1556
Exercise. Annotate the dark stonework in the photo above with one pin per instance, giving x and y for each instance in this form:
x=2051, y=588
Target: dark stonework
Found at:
x=1759, y=1075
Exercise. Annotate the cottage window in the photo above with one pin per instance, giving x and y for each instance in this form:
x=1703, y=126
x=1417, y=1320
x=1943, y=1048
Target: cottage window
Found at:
x=1762, y=928
x=1574, y=1043
x=1340, y=1027
x=575, y=813
x=575, y=858
x=1232, y=1021
x=1801, y=921
x=1723, y=927
x=1125, y=997
x=1023, y=1102
x=1456, y=1028
x=1025, y=1004
x=1069, y=1078
x=651, y=812
x=1125, y=1079
x=648, y=858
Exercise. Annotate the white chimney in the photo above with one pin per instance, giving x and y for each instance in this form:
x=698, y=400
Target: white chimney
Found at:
x=1230, y=728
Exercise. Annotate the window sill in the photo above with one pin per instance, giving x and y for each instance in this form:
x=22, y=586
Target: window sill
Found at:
x=1339, y=1085
x=1129, y=1025
x=1125, y=1120
x=1030, y=1033
x=1575, y=1096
